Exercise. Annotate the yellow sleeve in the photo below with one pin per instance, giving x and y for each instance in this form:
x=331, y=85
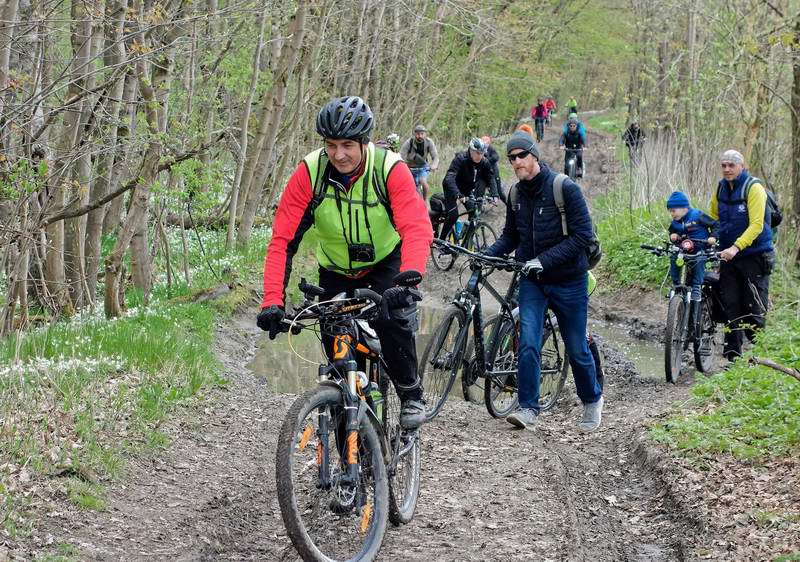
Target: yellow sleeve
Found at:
x=756, y=207
x=713, y=210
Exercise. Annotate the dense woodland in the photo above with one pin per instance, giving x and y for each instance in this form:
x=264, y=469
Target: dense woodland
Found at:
x=125, y=121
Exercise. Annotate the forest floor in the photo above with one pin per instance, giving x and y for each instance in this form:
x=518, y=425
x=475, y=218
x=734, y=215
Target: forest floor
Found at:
x=488, y=492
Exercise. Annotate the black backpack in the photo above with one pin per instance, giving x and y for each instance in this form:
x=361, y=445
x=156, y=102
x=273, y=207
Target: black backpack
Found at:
x=594, y=252
x=774, y=214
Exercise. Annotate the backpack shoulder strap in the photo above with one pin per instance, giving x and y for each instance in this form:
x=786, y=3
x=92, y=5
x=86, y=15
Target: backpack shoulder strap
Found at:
x=513, y=197
x=318, y=180
x=380, y=175
x=558, y=195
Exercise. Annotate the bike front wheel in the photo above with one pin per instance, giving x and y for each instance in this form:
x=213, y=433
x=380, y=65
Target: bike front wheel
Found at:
x=554, y=367
x=327, y=514
x=483, y=237
x=444, y=261
x=674, y=338
x=441, y=360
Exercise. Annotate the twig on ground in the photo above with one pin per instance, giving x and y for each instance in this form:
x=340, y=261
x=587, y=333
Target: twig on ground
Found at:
x=777, y=366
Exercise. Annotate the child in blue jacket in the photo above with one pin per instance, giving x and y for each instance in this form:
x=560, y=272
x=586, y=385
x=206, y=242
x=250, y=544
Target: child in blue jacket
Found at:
x=703, y=231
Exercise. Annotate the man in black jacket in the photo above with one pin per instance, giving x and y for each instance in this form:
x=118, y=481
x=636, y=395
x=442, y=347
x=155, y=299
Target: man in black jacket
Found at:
x=496, y=187
x=469, y=172
x=555, y=275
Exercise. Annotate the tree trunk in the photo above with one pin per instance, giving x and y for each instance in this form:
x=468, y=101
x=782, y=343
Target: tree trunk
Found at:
x=288, y=61
x=796, y=127
x=122, y=156
x=115, y=55
x=243, y=138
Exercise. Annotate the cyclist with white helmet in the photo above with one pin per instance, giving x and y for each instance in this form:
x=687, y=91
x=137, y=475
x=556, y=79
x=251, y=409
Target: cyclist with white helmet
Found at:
x=469, y=173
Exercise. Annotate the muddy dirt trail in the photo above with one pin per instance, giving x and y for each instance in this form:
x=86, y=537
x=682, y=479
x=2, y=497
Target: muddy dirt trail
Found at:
x=489, y=492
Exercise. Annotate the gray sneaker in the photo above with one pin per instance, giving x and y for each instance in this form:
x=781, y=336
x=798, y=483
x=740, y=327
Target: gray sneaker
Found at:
x=524, y=418
x=592, y=414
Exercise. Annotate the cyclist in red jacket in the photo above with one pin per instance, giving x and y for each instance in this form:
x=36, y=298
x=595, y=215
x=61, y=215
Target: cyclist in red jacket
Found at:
x=371, y=226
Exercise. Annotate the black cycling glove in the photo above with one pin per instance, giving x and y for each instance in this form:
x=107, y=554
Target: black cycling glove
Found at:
x=270, y=319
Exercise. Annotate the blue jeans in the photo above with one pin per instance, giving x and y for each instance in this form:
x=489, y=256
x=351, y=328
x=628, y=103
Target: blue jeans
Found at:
x=695, y=275
x=419, y=173
x=570, y=302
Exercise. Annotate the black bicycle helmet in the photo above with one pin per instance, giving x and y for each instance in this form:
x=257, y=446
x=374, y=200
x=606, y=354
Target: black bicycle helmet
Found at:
x=345, y=118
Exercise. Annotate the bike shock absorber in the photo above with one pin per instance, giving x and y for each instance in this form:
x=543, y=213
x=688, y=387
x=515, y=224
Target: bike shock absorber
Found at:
x=351, y=427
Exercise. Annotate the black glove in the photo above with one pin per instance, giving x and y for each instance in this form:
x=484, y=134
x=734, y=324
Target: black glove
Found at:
x=270, y=319
x=398, y=297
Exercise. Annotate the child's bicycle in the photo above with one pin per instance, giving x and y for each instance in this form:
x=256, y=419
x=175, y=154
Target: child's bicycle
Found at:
x=344, y=466
x=680, y=332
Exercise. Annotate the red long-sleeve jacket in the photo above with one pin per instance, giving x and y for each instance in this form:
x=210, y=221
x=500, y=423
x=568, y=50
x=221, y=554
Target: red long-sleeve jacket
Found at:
x=295, y=216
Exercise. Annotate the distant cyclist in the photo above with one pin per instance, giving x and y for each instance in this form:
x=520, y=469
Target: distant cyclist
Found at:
x=495, y=188
x=572, y=105
x=539, y=115
x=469, y=173
x=573, y=118
x=391, y=142
x=572, y=140
x=633, y=138
x=550, y=105
x=416, y=152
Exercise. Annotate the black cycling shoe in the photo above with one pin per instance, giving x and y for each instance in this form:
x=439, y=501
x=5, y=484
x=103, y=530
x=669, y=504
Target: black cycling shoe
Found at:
x=412, y=414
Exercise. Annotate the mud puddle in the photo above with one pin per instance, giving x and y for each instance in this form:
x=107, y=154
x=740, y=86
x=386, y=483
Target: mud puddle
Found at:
x=290, y=366
x=647, y=356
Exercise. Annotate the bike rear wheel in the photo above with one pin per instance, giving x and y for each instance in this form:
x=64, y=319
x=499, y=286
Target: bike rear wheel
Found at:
x=704, y=345
x=441, y=360
x=554, y=367
x=500, y=386
x=674, y=338
x=443, y=261
x=326, y=516
x=404, y=477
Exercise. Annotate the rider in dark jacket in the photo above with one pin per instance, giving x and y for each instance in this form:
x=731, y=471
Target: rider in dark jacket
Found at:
x=572, y=140
x=495, y=188
x=469, y=172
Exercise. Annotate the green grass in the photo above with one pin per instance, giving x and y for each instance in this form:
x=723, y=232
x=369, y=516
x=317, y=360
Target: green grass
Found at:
x=613, y=121
x=747, y=411
x=622, y=233
x=794, y=557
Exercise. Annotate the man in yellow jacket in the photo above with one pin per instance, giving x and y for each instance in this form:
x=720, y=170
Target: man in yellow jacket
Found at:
x=740, y=205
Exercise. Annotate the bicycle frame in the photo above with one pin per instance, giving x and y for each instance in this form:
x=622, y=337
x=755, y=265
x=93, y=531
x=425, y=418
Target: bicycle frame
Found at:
x=347, y=350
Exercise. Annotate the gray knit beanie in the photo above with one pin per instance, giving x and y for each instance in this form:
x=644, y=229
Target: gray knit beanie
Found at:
x=523, y=140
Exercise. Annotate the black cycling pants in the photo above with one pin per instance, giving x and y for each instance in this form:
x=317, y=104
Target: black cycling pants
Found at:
x=744, y=287
x=451, y=208
x=397, y=336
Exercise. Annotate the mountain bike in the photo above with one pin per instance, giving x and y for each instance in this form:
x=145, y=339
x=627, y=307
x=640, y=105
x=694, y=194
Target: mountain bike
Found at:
x=476, y=235
x=571, y=162
x=445, y=355
x=679, y=331
x=344, y=465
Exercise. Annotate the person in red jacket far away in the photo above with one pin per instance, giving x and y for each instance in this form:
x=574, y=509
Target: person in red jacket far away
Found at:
x=373, y=232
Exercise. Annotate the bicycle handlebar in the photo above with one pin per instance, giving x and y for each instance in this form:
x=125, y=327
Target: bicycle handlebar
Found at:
x=673, y=249
x=481, y=259
x=368, y=294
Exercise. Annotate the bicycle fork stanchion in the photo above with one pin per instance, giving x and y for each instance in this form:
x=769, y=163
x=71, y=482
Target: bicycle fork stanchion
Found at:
x=351, y=402
x=323, y=451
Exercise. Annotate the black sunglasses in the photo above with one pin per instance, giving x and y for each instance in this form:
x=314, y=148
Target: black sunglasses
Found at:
x=523, y=154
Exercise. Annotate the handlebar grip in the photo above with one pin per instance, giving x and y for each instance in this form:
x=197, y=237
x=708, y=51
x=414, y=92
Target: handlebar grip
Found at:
x=368, y=294
x=646, y=247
